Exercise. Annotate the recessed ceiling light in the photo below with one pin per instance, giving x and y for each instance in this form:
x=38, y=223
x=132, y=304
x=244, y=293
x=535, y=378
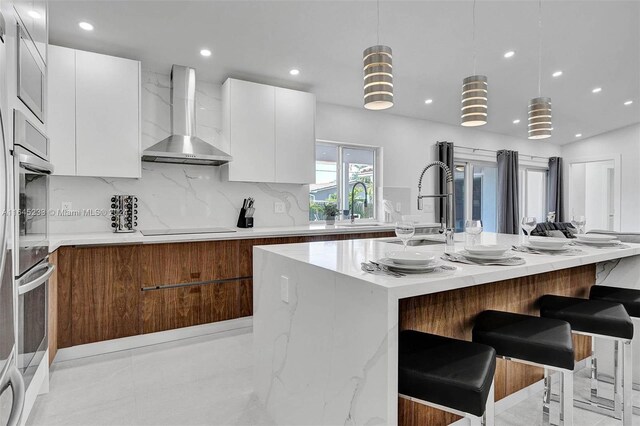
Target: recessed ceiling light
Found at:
x=294, y=71
x=516, y=121
x=597, y=90
x=428, y=101
x=557, y=74
x=34, y=14
x=627, y=103
x=85, y=26
x=578, y=135
x=509, y=54
x=205, y=52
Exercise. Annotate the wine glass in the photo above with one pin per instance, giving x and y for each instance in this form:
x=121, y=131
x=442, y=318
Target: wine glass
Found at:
x=529, y=224
x=404, y=231
x=473, y=228
x=579, y=222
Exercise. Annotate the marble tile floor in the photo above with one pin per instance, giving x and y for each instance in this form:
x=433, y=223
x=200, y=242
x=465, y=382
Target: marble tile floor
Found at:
x=199, y=381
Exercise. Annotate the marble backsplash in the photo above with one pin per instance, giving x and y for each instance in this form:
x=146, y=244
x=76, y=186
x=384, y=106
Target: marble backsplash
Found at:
x=175, y=196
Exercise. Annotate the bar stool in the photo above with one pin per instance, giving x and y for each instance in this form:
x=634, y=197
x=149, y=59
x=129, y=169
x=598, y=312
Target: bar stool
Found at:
x=630, y=299
x=607, y=320
x=448, y=374
x=542, y=342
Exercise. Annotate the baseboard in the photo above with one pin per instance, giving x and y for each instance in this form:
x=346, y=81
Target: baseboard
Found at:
x=229, y=327
x=517, y=397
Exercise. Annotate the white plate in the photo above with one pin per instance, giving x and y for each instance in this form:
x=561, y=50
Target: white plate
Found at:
x=475, y=256
x=548, y=243
x=410, y=257
x=611, y=243
x=408, y=268
x=595, y=237
x=487, y=249
x=554, y=249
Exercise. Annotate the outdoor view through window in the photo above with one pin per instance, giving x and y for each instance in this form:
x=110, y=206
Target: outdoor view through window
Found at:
x=338, y=168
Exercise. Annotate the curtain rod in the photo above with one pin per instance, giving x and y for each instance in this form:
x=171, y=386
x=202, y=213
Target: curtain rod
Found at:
x=495, y=152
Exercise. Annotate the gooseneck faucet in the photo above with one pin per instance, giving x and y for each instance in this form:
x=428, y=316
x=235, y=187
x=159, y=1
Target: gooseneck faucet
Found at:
x=353, y=191
x=448, y=196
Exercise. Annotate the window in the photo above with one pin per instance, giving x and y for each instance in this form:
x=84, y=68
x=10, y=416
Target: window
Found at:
x=533, y=193
x=476, y=185
x=338, y=169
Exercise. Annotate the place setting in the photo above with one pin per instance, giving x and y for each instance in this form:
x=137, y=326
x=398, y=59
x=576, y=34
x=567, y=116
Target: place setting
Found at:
x=485, y=255
x=600, y=241
x=400, y=263
x=548, y=246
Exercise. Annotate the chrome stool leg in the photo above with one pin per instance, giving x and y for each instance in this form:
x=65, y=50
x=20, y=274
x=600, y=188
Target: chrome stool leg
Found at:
x=546, y=399
x=566, y=409
x=627, y=379
x=594, y=371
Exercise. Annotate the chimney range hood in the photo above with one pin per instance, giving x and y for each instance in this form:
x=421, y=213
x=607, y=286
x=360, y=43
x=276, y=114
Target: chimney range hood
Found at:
x=183, y=147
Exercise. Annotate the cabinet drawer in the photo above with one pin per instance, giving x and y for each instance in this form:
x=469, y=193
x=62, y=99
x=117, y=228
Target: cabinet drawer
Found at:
x=180, y=263
x=184, y=306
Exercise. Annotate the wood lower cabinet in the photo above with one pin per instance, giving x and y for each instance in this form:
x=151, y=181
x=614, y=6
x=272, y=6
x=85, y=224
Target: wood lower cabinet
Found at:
x=105, y=293
x=108, y=292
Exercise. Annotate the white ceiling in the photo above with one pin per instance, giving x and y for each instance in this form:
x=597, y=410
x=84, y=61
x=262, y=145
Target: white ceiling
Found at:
x=595, y=44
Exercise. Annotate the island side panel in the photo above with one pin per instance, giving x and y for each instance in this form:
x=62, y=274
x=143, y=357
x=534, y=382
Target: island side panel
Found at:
x=324, y=357
x=452, y=313
x=625, y=273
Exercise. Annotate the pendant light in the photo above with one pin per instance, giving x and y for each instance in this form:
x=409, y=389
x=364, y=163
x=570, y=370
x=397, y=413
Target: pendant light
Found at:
x=474, y=91
x=378, y=73
x=540, y=124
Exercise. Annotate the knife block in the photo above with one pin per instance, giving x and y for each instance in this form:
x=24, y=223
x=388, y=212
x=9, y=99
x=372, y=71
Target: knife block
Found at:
x=243, y=220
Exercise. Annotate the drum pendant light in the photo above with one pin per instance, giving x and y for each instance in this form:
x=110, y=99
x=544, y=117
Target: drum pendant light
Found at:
x=378, y=74
x=540, y=123
x=474, y=91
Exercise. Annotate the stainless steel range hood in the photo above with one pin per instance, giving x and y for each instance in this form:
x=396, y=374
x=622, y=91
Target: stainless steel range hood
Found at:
x=183, y=147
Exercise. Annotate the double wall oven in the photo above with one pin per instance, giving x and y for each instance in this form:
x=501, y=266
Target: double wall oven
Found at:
x=31, y=177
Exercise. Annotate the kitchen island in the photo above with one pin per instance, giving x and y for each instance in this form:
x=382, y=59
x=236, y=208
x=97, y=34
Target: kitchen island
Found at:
x=325, y=333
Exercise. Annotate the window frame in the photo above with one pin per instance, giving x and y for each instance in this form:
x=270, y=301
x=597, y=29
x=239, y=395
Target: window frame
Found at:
x=523, y=195
x=469, y=165
x=343, y=198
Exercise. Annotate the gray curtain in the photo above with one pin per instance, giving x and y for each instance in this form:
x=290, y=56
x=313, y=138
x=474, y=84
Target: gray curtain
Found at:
x=554, y=188
x=508, y=208
x=444, y=153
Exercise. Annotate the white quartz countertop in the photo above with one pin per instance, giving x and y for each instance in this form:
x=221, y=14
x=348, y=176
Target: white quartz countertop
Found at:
x=106, y=238
x=344, y=257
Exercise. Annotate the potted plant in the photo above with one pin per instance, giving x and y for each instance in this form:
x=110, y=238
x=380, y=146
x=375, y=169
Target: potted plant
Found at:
x=330, y=213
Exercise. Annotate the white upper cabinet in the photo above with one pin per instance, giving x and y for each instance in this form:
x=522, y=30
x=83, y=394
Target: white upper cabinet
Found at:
x=295, y=136
x=270, y=132
x=61, y=110
x=94, y=107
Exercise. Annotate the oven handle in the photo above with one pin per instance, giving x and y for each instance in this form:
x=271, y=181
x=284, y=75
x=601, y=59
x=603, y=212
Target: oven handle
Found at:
x=25, y=288
x=13, y=379
x=33, y=163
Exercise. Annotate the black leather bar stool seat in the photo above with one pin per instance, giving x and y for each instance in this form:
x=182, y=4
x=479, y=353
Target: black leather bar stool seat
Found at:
x=600, y=319
x=629, y=298
x=589, y=316
x=539, y=340
x=448, y=372
x=544, y=342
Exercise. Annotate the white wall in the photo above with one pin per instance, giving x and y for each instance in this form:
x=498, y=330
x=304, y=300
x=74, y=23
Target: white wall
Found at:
x=625, y=144
x=408, y=143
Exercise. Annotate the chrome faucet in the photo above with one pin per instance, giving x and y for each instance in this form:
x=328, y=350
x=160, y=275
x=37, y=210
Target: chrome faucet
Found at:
x=449, y=215
x=353, y=191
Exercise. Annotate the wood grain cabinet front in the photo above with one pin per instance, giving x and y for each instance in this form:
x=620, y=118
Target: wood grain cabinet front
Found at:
x=105, y=293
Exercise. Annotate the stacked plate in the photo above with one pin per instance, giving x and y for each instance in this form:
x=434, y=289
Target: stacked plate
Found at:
x=598, y=240
x=487, y=253
x=410, y=262
x=549, y=244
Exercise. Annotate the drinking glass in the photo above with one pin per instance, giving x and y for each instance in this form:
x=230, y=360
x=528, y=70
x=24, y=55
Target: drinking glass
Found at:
x=404, y=231
x=473, y=228
x=529, y=224
x=579, y=222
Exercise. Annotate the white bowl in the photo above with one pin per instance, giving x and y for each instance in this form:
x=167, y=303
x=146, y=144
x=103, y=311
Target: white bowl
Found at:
x=548, y=242
x=596, y=237
x=487, y=249
x=410, y=257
